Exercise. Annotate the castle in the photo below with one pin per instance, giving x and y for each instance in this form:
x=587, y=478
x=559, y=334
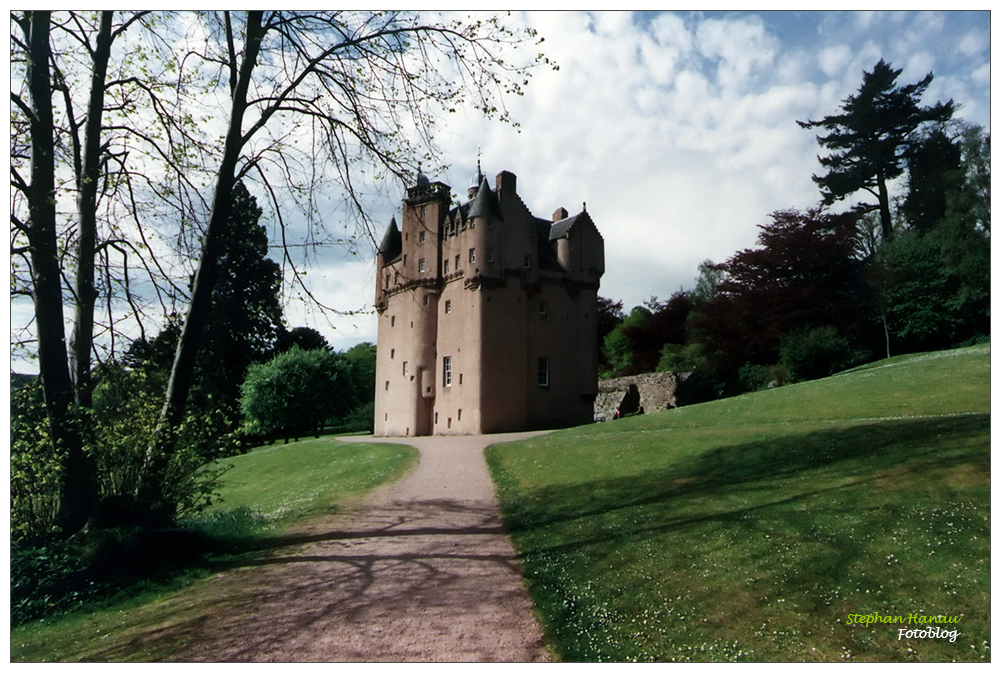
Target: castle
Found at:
x=487, y=315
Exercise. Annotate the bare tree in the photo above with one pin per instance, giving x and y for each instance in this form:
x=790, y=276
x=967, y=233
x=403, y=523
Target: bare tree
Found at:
x=293, y=102
x=362, y=81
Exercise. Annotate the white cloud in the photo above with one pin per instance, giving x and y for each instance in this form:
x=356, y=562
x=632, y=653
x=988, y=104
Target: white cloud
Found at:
x=677, y=130
x=833, y=60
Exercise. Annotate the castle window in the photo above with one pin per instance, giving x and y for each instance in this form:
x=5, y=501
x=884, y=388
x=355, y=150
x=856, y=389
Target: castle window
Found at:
x=404, y=260
x=392, y=323
x=527, y=261
x=489, y=255
x=446, y=263
x=472, y=223
x=423, y=212
x=423, y=236
x=458, y=262
x=489, y=222
x=387, y=385
x=543, y=372
x=392, y=353
x=472, y=255
x=427, y=299
x=406, y=367
x=459, y=414
x=447, y=305
x=423, y=265
x=446, y=378
x=531, y=230
x=542, y=308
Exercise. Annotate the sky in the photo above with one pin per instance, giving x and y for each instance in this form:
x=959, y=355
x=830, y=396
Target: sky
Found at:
x=678, y=131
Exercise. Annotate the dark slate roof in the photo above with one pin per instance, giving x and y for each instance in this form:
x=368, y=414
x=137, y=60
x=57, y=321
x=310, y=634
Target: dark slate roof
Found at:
x=546, y=253
x=484, y=203
x=562, y=227
x=392, y=243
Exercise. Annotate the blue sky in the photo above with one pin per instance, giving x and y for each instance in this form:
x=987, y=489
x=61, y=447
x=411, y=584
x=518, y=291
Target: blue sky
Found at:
x=678, y=129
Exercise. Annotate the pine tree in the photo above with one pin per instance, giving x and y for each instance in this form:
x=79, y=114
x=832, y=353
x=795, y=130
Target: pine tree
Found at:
x=871, y=137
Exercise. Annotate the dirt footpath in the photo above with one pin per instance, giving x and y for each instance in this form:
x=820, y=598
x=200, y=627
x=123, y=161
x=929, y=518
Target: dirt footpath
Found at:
x=418, y=571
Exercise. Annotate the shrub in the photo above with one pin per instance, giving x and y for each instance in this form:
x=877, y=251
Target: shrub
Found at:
x=295, y=392
x=814, y=353
x=758, y=377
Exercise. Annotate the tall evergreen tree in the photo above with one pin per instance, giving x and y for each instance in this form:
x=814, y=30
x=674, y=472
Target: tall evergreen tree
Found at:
x=871, y=138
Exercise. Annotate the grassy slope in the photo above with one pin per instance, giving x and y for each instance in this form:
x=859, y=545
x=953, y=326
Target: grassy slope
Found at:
x=271, y=486
x=750, y=528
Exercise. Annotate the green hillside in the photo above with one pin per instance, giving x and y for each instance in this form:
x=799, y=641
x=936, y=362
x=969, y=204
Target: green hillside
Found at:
x=753, y=528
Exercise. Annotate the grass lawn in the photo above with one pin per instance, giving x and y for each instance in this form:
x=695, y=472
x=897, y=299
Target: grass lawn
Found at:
x=265, y=490
x=751, y=529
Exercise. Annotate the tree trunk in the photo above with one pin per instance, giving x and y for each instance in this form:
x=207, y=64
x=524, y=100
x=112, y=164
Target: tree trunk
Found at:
x=182, y=372
x=883, y=207
x=87, y=180
x=78, y=492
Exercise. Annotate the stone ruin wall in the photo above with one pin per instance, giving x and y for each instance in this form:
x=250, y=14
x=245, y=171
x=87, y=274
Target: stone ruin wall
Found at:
x=655, y=392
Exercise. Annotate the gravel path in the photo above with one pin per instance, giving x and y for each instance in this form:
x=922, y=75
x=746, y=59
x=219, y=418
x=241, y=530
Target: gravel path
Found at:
x=420, y=570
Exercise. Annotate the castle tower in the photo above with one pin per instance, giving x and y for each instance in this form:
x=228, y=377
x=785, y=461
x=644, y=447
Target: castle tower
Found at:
x=487, y=314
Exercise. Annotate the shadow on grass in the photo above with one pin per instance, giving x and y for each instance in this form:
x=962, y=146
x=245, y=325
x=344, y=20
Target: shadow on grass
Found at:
x=804, y=517
x=844, y=457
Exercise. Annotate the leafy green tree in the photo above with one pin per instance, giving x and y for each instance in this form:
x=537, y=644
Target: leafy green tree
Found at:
x=361, y=359
x=296, y=392
x=934, y=169
x=618, y=349
x=870, y=139
x=803, y=273
x=246, y=314
x=305, y=338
